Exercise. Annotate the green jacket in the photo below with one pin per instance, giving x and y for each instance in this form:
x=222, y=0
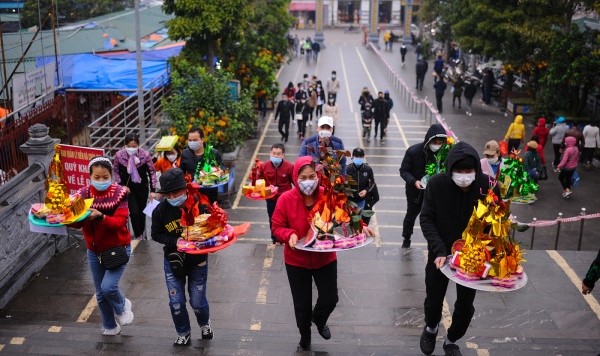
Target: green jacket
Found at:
x=593, y=273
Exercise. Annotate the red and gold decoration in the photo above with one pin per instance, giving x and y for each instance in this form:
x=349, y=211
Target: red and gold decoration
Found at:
x=59, y=207
x=204, y=233
x=486, y=250
x=259, y=188
x=336, y=222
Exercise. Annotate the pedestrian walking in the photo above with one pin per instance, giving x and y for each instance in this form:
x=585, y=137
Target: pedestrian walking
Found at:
x=457, y=90
x=386, y=40
x=105, y=231
x=470, y=91
x=291, y=223
x=403, y=51
x=412, y=170
x=592, y=276
x=366, y=117
x=331, y=109
x=312, y=102
x=300, y=93
x=380, y=112
x=438, y=67
x=290, y=92
x=168, y=159
x=541, y=131
x=421, y=70
x=302, y=44
x=133, y=168
x=418, y=51
x=333, y=86
x=515, y=133
x=568, y=165
x=285, y=112
x=194, y=155
x=390, y=105
x=180, y=268
x=462, y=185
x=491, y=163
x=302, y=111
x=365, y=98
x=324, y=138
x=362, y=174
x=320, y=98
x=276, y=171
x=486, y=86
x=591, y=136
x=296, y=45
x=557, y=132
x=440, y=87
x=316, y=48
x=532, y=163
x=308, y=49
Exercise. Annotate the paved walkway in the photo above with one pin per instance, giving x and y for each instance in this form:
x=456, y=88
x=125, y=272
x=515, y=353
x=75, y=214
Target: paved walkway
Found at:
x=381, y=290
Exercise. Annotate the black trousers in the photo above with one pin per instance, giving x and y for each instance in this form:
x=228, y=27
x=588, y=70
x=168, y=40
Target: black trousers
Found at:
x=438, y=100
x=513, y=143
x=436, y=284
x=565, y=176
x=412, y=212
x=270, y=209
x=556, y=148
x=301, y=286
x=284, y=128
x=588, y=154
x=302, y=126
x=137, y=201
x=319, y=112
x=380, y=124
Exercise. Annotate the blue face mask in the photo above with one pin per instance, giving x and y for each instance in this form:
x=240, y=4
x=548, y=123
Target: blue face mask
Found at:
x=276, y=160
x=101, y=186
x=176, y=202
x=357, y=161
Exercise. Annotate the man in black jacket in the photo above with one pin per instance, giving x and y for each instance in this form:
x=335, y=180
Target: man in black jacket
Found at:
x=362, y=174
x=285, y=111
x=412, y=171
x=179, y=267
x=421, y=70
x=194, y=154
x=380, y=113
x=449, y=201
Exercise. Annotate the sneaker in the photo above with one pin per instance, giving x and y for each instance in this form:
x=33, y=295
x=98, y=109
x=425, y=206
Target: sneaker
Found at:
x=310, y=123
x=406, y=243
x=382, y=142
x=568, y=192
x=323, y=331
x=207, y=332
x=127, y=317
x=112, y=332
x=427, y=342
x=564, y=194
x=452, y=350
x=182, y=340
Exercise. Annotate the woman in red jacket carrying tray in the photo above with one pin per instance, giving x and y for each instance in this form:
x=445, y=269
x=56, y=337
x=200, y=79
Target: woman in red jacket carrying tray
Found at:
x=103, y=229
x=290, y=223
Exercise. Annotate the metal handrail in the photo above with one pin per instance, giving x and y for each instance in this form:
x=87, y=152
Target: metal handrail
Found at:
x=109, y=130
x=423, y=107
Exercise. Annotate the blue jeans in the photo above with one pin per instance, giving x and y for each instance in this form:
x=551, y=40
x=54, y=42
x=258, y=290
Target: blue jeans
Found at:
x=197, y=277
x=361, y=204
x=110, y=299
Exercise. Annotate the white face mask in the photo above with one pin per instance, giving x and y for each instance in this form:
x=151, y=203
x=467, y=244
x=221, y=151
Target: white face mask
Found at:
x=493, y=160
x=434, y=148
x=131, y=150
x=194, y=145
x=324, y=133
x=463, y=180
x=307, y=187
x=172, y=157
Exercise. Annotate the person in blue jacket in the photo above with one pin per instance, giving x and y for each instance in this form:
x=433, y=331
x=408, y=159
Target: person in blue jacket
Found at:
x=310, y=146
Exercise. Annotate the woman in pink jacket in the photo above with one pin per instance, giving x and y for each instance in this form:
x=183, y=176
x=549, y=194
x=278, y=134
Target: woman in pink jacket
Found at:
x=568, y=164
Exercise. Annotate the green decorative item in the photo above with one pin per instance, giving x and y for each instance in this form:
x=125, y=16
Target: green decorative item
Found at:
x=520, y=182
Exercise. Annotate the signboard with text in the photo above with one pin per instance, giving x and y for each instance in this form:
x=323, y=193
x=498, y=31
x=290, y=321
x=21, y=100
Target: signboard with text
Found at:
x=33, y=84
x=75, y=161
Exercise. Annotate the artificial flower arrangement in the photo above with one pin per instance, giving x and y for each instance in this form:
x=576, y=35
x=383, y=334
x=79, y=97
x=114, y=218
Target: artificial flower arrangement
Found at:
x=486, y=250
x=202, y=231
x=439, y=165
x=515, y=182
x=336, y=222
x=258, y=189
x=208, y=172
x=59, y=206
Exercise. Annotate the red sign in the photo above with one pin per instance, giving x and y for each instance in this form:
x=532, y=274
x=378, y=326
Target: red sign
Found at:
x=75, y=161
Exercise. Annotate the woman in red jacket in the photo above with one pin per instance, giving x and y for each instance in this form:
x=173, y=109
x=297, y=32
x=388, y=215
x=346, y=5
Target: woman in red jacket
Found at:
x=290, y=223
x=105, y=228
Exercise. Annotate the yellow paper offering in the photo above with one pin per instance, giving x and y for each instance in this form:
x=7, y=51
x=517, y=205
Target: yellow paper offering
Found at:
x=167, y=143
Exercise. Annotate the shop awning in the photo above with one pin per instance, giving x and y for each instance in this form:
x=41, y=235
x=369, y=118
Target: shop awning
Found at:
x=303, y=5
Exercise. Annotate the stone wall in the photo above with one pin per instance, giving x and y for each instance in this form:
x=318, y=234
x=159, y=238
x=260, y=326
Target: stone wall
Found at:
x=23, y=253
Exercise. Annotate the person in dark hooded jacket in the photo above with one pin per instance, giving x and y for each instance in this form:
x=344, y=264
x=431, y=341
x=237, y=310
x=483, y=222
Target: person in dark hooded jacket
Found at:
x=449, y=201
x=412, y=171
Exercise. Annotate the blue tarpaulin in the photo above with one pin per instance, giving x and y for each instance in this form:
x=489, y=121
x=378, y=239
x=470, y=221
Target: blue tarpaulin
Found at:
x=89, y=71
